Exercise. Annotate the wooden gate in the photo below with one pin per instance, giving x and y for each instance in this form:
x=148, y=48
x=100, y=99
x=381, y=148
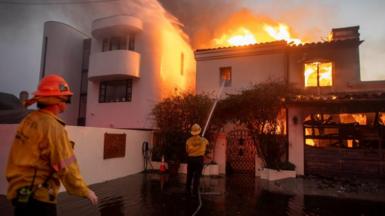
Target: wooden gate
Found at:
x=240, y=152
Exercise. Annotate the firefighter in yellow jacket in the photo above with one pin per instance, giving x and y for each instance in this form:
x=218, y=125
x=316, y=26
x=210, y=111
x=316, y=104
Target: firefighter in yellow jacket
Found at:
x=195, y=149
x=41, y=155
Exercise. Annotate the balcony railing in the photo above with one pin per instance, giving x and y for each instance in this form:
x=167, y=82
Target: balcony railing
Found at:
x=114, y=64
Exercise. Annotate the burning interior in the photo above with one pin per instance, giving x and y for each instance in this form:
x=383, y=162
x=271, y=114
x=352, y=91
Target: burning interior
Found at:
x=345, y=130
x=344, y=134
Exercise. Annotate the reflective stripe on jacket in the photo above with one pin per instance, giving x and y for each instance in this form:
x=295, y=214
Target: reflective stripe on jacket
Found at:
x=196, y=146
x=41, y=143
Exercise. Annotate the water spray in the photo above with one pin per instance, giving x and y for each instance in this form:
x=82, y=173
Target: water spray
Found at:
x=213, y=108
x=203, y=134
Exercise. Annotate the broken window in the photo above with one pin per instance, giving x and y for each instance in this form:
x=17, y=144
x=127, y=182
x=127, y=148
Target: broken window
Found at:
x=318, y=74
x=344, y=130
x=225, y=76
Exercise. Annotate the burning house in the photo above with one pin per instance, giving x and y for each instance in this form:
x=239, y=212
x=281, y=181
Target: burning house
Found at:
x=336, y=126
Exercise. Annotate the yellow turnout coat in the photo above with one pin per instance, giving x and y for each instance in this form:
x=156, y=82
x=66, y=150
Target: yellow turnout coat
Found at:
x=42, y=148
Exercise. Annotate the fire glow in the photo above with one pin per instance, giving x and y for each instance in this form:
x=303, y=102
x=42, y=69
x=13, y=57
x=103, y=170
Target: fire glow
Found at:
x=242, y=36
x=281, y=32
x=318, y=74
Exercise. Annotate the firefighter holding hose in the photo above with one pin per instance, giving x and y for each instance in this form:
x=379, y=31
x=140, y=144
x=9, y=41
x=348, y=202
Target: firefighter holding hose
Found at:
x=42, y=155
x=195, y=149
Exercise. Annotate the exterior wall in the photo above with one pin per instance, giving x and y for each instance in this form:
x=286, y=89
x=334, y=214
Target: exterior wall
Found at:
x=160, y=48
x=172, y=79
x=296, y=138
x=246, y=71
x=89, y=152
x=248, y=67
x=220, y=152
x=115, y=63
x=346, y=66
x=64, y=52
x=378, y=85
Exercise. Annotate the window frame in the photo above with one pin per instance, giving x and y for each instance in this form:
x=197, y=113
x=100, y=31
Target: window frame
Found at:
x=222, y=70
x=118, y=42
x=131, y=42
x=105, y=85
x=320, y=61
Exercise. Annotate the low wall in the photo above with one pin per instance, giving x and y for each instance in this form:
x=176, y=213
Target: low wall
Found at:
x=89, y=152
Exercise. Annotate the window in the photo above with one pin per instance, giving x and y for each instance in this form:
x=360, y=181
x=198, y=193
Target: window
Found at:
x=119, y=43
x=181, y=63
x=225, y=76
x=131, y=42
x=115, y=91
x=318, y=74
x=342, y=130
x=106, y=45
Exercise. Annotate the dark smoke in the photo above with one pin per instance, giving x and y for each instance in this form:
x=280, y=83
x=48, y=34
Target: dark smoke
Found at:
x=205, y=20
x=201, y=18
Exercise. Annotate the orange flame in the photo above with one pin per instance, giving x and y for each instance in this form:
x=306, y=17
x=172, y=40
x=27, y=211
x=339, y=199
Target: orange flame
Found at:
x=240, y=37
x=243, y=36
x=318, y=74
x=282, y=33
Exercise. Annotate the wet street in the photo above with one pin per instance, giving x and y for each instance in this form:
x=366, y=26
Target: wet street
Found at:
x=154, y=194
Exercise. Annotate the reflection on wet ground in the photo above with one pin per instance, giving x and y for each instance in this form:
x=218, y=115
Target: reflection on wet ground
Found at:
x=154, y=194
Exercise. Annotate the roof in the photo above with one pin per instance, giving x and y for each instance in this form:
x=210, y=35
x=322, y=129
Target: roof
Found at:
x=340, y=97
x=284, y=43
x=347, y=102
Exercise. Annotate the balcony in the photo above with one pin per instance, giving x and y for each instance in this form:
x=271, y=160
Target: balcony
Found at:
x=116, y=25
x=116, y=64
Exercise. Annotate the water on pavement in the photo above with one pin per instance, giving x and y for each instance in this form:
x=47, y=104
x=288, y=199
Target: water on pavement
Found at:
x=155, y=194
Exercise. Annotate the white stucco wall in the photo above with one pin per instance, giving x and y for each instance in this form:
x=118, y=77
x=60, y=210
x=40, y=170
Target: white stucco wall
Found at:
x=89, y=152
x=220, y=152
x=296, y=139
x=246, y=71
x=160, y=46
x=248, y=67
